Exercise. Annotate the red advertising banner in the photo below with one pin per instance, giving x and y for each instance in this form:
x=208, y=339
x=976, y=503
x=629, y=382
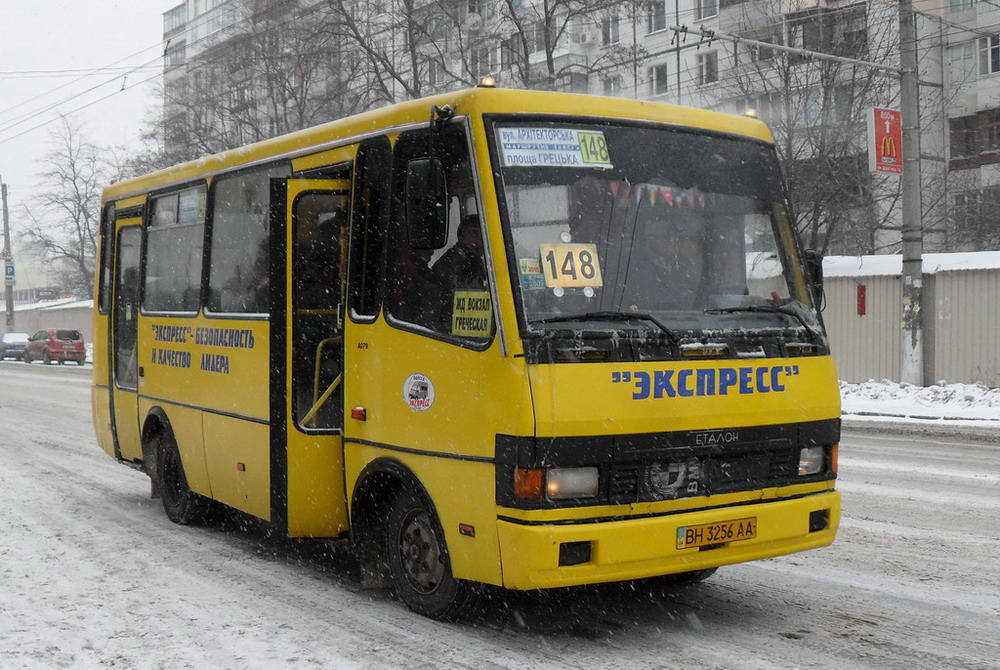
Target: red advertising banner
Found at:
x=885, y=141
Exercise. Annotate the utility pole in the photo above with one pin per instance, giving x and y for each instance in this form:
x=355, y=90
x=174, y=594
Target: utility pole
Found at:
x=911, y=369
x=7, y=260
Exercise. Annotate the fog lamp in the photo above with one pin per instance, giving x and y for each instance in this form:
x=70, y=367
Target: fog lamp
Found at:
x=566, y=483
x=811, y=460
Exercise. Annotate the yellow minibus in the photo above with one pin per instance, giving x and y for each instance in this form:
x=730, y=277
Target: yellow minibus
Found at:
x=494, y=337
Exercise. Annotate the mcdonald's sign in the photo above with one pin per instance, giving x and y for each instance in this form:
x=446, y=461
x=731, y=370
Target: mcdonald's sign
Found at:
x=885, y=141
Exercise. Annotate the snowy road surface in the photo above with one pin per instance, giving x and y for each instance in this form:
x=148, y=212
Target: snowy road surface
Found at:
x=93, y=575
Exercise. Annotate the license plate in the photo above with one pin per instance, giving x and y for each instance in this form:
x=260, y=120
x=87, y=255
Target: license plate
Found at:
x=718, y=532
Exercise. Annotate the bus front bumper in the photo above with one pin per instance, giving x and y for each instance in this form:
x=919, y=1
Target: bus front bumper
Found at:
x=647, y=547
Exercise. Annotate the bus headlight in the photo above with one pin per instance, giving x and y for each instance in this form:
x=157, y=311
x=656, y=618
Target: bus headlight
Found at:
x=811, y=460
x=567, y=483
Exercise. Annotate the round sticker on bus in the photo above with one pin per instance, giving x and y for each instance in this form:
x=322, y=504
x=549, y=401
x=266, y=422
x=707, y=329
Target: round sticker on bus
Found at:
x=418, y=392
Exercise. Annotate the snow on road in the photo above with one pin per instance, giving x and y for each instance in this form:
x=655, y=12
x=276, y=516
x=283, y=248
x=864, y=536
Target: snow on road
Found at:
x=93, y=575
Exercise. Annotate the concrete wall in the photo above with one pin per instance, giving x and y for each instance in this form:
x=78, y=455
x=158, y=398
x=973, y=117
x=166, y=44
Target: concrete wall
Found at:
x=76, y=315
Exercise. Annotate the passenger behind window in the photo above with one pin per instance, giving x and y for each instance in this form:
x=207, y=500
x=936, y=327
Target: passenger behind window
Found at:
x=461, y=266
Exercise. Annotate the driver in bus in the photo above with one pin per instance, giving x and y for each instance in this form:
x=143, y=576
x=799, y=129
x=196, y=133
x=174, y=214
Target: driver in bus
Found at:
x=667, y=264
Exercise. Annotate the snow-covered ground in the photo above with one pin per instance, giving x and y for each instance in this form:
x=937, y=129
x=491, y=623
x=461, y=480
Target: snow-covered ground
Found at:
x=940, y=402
x=93, y=575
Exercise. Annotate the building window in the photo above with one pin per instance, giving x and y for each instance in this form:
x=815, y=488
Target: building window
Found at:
x=535, y=35
x=706, y=9
x=657, y=16
x=963, y=136
x=962, y=59
x=960, y=5
x=613, y=86
x=484, y=61
x=610, y=33
x=989, y=54
x=658, y=79
x=176, y=54
x=708, y=67
x=989, y=125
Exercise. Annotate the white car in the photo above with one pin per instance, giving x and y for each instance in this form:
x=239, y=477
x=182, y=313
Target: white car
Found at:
x=12, y=345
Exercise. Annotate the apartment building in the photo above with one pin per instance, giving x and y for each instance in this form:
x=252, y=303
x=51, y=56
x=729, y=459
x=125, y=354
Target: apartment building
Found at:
x=240, y=70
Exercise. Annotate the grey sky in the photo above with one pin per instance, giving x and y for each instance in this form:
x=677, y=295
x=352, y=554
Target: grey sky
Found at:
x=48, y=52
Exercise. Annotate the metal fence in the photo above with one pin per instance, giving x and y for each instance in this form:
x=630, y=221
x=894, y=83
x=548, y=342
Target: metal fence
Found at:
x=960, y=317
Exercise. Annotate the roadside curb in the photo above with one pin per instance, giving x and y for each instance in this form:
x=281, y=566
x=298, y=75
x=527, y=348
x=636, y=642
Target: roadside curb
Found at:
x=960, y=428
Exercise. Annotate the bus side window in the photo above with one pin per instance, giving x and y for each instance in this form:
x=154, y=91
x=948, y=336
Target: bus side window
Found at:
x=174, y=251
x=107, y=234
x=238, y=255
x=444, y=290
x=368, y=225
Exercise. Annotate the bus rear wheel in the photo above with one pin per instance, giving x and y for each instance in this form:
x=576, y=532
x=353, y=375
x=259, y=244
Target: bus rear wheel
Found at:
x=419, y=564
x=181, y=504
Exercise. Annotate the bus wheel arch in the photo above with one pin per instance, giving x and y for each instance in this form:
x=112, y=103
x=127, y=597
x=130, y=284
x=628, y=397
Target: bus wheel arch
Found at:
x=400, y=542
x=374, y=494
x=162, y=462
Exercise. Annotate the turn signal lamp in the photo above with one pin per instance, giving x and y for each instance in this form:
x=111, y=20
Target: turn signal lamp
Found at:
x=528, y=485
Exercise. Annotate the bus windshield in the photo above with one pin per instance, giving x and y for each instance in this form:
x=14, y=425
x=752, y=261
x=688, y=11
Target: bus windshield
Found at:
x=611, y=223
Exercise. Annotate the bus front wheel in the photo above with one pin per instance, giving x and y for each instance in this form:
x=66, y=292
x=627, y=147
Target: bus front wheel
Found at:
x=181, y=504
x=418, y=561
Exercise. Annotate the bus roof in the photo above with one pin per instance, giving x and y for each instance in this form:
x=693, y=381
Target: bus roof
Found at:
x=468, y=101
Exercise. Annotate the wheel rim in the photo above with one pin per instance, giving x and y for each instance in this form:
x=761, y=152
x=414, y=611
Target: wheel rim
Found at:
x=422, y=560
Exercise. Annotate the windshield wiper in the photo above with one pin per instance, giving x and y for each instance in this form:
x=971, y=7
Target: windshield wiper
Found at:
x=770, y=309
x=610, y=316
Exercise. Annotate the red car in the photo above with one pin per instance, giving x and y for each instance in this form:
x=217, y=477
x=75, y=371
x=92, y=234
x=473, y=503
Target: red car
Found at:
x=55, y=344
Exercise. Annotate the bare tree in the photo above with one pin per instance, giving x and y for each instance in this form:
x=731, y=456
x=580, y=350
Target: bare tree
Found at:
x=546, y=26
x=817, y=108
x=278, y=70
x=63, y=220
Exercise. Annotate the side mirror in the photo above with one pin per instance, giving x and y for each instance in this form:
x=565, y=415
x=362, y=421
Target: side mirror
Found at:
x=426, y=204
x=814, y=276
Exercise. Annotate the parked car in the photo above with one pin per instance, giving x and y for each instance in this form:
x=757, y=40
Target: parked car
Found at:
x=12, y=345
x=55, y=344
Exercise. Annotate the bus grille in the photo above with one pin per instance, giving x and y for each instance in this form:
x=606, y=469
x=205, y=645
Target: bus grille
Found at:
x=714, y=474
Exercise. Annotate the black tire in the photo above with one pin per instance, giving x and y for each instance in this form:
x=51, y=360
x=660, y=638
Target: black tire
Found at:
x=181, y=504
x=682, y=578
x=80, y=362
x=26, y=358
x=46, y=359
x=419, y=564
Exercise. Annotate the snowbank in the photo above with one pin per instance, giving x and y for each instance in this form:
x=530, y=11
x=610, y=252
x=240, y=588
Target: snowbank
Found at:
x=939, y=401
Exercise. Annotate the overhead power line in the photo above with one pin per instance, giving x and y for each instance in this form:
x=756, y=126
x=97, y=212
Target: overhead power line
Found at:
x=710, y=35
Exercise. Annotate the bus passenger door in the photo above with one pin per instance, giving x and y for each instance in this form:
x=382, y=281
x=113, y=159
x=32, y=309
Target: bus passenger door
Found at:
x=315, y=220
x=125, y=362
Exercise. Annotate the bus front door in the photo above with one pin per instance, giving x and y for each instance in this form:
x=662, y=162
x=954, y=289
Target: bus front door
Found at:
x=314, y=227
x=125, y=362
